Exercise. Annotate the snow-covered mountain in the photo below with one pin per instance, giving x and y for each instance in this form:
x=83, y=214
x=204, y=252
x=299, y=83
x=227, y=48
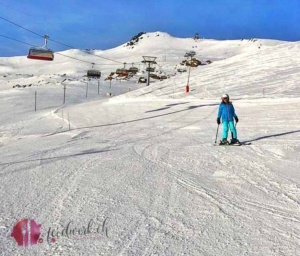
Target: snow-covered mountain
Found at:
x=142, y=164
x=246, y=67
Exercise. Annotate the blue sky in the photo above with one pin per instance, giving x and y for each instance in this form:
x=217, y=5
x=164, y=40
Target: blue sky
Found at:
x=104, y=24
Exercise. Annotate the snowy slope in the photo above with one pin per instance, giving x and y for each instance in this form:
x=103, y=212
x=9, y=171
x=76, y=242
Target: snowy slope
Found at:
x=145, y=160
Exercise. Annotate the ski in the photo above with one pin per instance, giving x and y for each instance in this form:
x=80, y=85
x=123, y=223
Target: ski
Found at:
x=237, y=144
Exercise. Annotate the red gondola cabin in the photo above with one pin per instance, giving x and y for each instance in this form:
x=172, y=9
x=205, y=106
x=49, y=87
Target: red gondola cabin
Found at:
x=40, y=54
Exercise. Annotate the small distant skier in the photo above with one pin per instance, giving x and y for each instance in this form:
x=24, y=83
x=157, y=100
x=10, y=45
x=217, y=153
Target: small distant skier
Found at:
x=227, y=113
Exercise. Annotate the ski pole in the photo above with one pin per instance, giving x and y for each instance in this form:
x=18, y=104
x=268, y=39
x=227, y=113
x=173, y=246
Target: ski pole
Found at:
x=217, y=133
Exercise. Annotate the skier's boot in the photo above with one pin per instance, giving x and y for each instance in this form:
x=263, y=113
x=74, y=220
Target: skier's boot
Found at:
x=224, y=142
x=234, y=142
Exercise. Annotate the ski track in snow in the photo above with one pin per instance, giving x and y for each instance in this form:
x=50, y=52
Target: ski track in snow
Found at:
x=146, y=161
x=151, y=148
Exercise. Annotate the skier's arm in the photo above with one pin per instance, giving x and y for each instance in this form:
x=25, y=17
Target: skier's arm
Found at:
x=220, y=111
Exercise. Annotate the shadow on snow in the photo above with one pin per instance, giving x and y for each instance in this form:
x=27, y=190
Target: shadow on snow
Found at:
x=136, y=120
x=272, y=135
x=83, y=153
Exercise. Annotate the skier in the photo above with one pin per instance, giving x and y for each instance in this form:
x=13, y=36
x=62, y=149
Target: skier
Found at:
x=227, y=113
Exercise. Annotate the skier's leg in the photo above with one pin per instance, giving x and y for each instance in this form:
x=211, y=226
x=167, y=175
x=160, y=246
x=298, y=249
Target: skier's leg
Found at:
x=225, y=130
x=233, y=130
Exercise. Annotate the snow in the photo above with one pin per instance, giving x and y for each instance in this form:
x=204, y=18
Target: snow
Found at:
x=144, y=159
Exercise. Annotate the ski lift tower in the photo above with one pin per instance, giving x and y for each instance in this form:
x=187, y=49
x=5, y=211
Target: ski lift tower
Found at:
x=150, y=60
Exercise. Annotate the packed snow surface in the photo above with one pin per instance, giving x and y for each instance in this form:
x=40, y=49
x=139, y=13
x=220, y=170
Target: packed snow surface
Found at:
x=136, y=165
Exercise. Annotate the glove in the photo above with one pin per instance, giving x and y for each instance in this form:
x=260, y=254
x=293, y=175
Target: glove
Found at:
x=236, y=119
x=218, y=121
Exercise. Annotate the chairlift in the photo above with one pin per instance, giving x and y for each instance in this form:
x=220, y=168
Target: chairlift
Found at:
x=150, y=69
x=41, y=53
x=133, y=69
x=93, y=73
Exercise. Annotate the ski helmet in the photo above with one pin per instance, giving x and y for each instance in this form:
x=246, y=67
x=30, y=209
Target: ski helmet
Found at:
x=225, y=96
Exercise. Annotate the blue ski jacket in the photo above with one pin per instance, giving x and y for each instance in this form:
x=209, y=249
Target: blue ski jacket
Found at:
x=226, y=111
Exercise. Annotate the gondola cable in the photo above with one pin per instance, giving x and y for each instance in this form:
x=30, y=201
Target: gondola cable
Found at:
x=35, y=46
x=57, y=41
x=67, y=56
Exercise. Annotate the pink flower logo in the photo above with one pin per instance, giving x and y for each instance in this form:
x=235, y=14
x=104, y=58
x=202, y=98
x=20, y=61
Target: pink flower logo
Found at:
x=26, y=232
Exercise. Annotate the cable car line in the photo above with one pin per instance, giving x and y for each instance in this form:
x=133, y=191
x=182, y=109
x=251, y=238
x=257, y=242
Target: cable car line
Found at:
x=21, y=26
x=69, y=46
x=55, y=52
x=16, y=40
x=46, y=54
x=67, y=56
x=57, y=41
x=72, y=57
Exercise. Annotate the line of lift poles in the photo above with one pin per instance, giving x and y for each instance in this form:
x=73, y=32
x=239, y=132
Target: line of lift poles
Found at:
x=43, y=53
